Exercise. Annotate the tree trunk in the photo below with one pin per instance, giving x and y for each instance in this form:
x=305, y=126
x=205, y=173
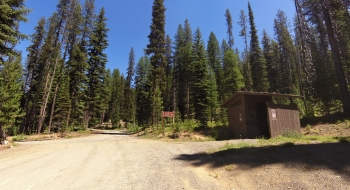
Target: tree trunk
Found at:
x=43, y=104
x=344, y=91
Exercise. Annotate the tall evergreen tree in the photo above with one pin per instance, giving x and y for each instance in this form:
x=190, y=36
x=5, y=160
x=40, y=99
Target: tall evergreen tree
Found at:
x=214, y=60
x=246, y=68
x=117, y=87
x=130, y=69
x=105, y=96
x=77, y=85
x=143, y=91
x=289, y=83
x=213, y=95
x=201, y=80
x=270, y=64
x=63, y=105
x=32, y=68
x=156, y=50
x=257, y=60
x=169, y=96
x=229, y=28
x=129, y=101
x=97, y=62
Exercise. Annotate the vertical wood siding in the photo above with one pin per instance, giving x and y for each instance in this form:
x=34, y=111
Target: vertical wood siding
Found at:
x=287, y=120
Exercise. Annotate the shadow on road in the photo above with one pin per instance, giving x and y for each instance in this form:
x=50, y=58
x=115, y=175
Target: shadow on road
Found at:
x=110, y=132
x=333, y=156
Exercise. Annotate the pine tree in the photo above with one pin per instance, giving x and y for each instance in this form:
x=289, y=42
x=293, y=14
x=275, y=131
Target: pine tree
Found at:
x=105, y=97
x=182, y=75
x=213, y=94
x=337, y=47
x=258, y=63
x=77, y=85
x=129, y=101
x=97, y=62
x=10, y=95
x=229, y=28
x=156, y=50
x=63, y=105
x=224, y=48
x=288, y=62
x=46, y=72
x=179, y=73
x=234, y=80
x=34, y=53
x=246, y=68
x=88, y=22
x=130, y=69
x=11, y=13
x=270, y=64
x=214, y=60
x=142, y=91
x=201, y=82
x=72, y=14
x=169, y=96
x=115, y=108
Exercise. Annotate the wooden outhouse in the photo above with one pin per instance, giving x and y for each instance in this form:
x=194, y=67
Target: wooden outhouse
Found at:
x=254, y=115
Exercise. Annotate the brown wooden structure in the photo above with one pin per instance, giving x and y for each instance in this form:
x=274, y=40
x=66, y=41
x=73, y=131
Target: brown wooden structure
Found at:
x=253, y=115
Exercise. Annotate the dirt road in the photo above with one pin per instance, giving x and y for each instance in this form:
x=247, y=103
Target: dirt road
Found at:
x=103, y=161
x=119, y=161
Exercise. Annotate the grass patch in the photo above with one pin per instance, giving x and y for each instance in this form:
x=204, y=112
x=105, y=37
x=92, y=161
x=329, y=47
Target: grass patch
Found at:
x=19, y=137
x=229, y=167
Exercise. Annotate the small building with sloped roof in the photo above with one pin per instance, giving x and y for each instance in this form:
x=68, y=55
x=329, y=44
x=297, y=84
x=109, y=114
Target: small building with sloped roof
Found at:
x=254, y=115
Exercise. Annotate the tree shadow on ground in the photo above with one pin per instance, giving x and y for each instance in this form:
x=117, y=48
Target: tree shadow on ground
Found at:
x=333, y=156
x=110, y=132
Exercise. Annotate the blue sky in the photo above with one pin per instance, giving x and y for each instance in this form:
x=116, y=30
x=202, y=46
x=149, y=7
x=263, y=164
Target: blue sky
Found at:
x=129, y=21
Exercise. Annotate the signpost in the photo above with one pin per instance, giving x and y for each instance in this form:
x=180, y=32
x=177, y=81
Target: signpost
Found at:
x=167, y=114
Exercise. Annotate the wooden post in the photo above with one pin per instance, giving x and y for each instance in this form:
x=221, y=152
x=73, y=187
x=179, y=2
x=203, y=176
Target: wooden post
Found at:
x=163, y=123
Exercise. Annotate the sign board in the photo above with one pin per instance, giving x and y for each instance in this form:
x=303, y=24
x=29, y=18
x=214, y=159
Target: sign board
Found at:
x=273, y=114
x=168, y=114
x=240, y=117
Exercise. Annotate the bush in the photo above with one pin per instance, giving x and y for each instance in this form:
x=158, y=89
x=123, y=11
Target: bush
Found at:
x=19, y=137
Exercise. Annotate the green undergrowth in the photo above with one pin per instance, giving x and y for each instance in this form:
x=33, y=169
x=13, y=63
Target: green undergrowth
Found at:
x=187, y=131
x=19, y=137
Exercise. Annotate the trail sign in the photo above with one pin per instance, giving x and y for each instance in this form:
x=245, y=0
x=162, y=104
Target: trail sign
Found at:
x=168, y=114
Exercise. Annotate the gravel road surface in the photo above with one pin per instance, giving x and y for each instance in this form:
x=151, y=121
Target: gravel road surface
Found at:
x=104, y=161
